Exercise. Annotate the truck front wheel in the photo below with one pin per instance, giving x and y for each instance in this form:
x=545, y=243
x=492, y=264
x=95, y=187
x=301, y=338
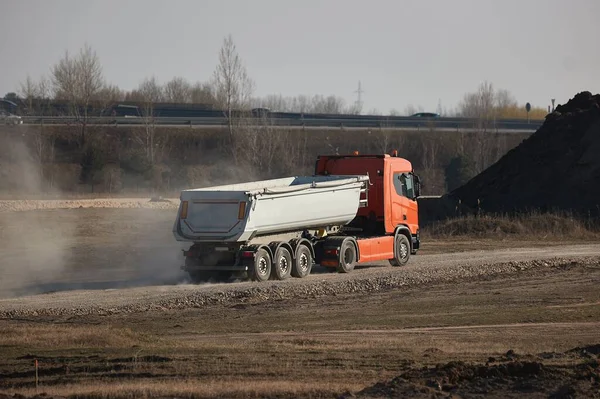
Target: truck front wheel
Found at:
x=260, y=270
x=401, y=250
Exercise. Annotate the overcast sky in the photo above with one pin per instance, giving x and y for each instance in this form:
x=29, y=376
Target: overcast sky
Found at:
x=404, y=52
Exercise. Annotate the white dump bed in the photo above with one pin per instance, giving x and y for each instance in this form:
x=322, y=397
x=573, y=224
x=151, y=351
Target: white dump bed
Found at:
x=239, y=212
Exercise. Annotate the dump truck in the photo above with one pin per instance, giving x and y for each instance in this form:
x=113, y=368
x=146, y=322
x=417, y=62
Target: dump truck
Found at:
x=354, y=209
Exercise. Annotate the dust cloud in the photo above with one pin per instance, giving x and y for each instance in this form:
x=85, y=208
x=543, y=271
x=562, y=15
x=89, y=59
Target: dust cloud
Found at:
x=36, y=250
x=62, y=244
x=85, y=247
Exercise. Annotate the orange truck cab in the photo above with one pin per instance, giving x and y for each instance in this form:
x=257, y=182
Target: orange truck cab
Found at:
x=387, y=227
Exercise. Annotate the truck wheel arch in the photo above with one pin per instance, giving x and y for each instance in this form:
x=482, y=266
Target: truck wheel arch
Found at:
x=274, y=246
x=336, y=241
x=256, y=247
x=403, y=229
x=296, y=242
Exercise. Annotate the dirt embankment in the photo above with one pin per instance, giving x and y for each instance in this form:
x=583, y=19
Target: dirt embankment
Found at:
x=34, y=160
x=510, y=376
x=557, y=168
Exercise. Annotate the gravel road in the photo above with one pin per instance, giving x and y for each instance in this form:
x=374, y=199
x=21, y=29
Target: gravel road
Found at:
x=422, y=269
x=115, y=203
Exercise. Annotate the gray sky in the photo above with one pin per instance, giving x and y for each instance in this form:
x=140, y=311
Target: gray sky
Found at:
x=404, y=52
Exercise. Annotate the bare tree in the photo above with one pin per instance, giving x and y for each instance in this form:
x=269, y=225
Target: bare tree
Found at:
x=439, y=109
x=36, y=95
x=233, y=87
x=301, y=104
x=412, y=109
x=202, y=93
x=327, y=105
x=44, y=92
x=273, y=101
x=430, y=148
x=256, y=144
x=107, y=97
x=28, y=91
x=149, y=92
x=504, y=99
x=178, y=90
x=319, y=104
x=482, y=106
x=78, y=80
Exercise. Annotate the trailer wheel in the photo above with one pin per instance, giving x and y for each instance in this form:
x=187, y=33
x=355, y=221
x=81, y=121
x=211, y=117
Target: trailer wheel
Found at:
x=282, y=264
x=261, y=269
x=303, y=263
x=347, y=257
x=401, y=250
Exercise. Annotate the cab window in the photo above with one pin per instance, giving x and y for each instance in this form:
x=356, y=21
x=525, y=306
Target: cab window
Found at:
x=404, y=185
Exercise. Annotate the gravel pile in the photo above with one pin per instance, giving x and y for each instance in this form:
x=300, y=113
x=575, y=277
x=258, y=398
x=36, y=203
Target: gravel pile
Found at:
x=556, y=168
x=185, y=297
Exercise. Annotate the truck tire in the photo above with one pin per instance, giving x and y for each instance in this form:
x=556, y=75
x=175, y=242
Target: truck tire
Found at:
x=348, y=256
x=303, y=262
x=282, y=264
x=260, y=270
x=401, y=250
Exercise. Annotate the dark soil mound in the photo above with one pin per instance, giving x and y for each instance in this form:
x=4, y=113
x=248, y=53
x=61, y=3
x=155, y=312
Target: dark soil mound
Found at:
x=512, y=379
x=556, y=168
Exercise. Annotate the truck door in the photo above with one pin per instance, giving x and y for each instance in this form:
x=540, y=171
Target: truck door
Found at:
x=404, y=205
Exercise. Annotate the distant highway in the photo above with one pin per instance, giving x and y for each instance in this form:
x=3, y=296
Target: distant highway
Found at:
x=310, y=121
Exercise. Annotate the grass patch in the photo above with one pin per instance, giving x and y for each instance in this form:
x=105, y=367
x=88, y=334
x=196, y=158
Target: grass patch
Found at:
x=71, y=337
x=531, y=225
x=212, y=388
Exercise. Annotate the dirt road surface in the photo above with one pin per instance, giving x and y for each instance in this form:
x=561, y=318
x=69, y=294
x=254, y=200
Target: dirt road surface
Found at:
x=96, y=296
x=423, y=269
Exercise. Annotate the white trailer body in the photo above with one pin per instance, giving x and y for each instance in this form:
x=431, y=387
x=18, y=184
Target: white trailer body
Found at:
x=237, y=213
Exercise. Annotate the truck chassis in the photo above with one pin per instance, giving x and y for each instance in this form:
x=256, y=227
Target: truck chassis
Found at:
x=280, y=260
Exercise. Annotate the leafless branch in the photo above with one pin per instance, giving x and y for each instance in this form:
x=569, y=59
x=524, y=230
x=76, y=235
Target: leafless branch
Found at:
x=78, y=80
x=178, y=90
x=233, y=87
x=149, y=93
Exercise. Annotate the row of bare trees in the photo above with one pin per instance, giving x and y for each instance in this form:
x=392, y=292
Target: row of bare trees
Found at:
x=306, y=104
x=79, y=81
x=253, y=144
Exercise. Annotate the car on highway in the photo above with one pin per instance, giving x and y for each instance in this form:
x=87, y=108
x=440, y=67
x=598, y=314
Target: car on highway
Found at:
x=9, y=119
x=425, y=115
x=261, y=112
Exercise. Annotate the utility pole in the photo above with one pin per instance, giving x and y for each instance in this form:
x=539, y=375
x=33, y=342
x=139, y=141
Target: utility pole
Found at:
x=358, y=104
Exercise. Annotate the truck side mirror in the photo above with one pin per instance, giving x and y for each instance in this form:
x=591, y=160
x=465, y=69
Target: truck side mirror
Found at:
x=417, y=182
